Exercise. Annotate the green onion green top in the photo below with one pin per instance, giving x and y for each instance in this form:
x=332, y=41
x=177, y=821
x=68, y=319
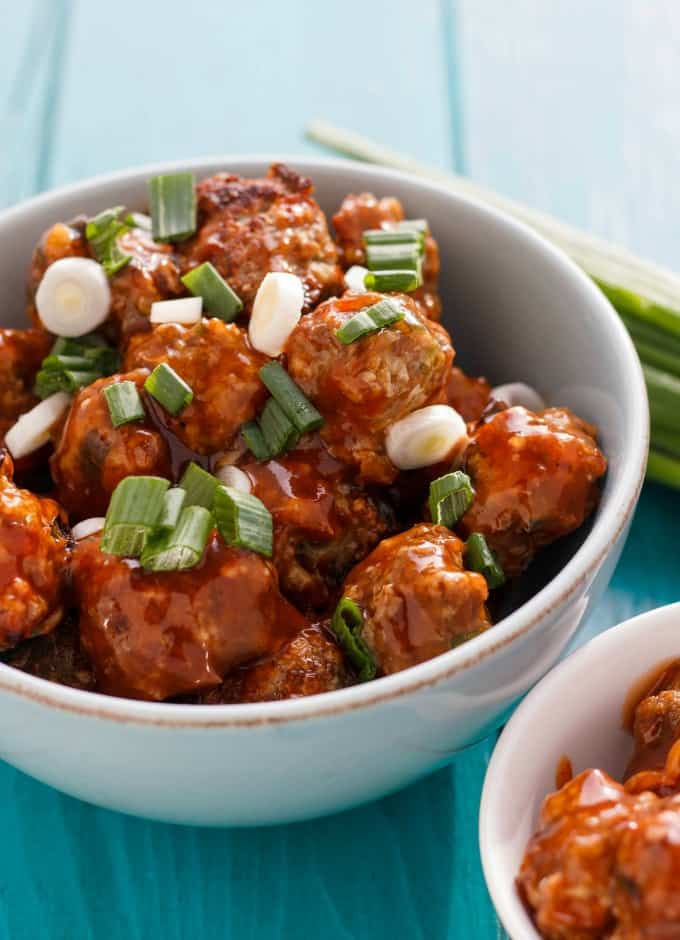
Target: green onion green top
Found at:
x=199, y=486
x=480, y=558
x=450, y=498
x=173, y=504
x=243, y=520
x=254, y=438
x=385, y=282
x=173, y=206
x=181, y=547
x=169, y=389
x=124, y=403
x=102, y=233
x=135, y=508
x=346, y=624
x=74, y=363
x=219, y=300
x=370, y=320
x=292, y=400
x=277, y=429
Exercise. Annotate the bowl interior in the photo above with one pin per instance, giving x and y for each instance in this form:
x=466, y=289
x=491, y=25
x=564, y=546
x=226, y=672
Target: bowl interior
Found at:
x=515, y=309
x=577, y=712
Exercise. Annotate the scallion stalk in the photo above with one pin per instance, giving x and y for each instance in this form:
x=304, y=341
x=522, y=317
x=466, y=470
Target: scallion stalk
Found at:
x=169, y=389
x=347, y=623
x=219, y=300
x=124, y=403
x=481, y=559
x=199, y=486
x=173, y=206
x=183, y=546
x=292, y=399
x=134, y=510
x=243, y=520
x=450, y=498
x=277, y=429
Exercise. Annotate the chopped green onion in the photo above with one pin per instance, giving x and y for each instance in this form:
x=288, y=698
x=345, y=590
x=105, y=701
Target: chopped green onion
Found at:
x=173, y=206
x=102, y=232
x=278, y=431
x=384, y=236
x=173, y=504
x=168, y=388
x=450, y=498
x=134, y=510
x=370, y=320
x=47, y=382
x=480, y=558
x=199, y=486
x=75, y=363
x=243, y=520
x=138, y=220
x=63, y=363
x=182, y=547
x=124, y=403
x=254, y=438
x=386, y=281
x=417, y=226
x=292, y=400
x=218, y=297
x=403, y=256
x=346, y=624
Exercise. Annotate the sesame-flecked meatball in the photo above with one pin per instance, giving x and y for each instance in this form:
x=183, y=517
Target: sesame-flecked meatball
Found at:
x=92, y=457
x=151, y=274
x=311, y=663
x=218, y=362
x=364, y=211
x=33, y=561
x=363, y=388
x=323, y=522
x=21, y=353
x=417, y=599
x=535, y=477
x=248, y=227
x=156, y=635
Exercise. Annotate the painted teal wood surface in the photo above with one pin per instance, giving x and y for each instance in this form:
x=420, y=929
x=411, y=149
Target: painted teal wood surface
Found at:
x=570, y=106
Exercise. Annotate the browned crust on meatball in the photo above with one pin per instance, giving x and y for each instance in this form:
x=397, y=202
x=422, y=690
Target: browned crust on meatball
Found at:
x=21, y=354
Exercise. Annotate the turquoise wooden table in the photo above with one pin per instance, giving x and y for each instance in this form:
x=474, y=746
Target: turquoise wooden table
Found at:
x=570, y=106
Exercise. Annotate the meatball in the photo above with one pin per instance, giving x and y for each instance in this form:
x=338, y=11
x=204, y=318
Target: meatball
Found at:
x=362, y=212
x=33, y=561
x=56, y=656
x=535, y=477
x=92, y=457
x=157, y=635
x=363, y=388
x=311, y=663
x=417, y=599
x=656, y=730
x=151, y=274
x=217, y=361
x=468, y=395
x=21, y=354
x=248, y=227
x=323, y=522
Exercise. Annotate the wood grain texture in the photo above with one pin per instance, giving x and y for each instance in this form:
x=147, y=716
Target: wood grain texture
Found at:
x=580, y=121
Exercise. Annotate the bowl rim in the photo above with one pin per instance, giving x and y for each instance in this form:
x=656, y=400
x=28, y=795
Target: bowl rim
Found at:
x=509, y=908
x=606, y=530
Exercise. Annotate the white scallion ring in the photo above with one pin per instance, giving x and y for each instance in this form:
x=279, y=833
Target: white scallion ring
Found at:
x=425, y=437
x=32, y=430
x=518, y=393
x=73, y=296
x=185, y=310
x=87, y=527
x=234, y=477
x=354, y=279
x=276, y=312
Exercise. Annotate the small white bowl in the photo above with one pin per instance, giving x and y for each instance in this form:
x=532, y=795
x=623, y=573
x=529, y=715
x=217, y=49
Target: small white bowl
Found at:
x=577, y=712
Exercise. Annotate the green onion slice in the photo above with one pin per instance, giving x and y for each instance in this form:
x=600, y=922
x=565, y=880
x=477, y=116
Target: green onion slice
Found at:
x=102, y=233
x=402, y=256
x=134, y=510
x=199, y=486
x=370, y=320
x=75, y=363
x=173, y=206
x=278, y=430
x=124, y=403
x=385, y=236
x=480, y=558
x=254, y=438
x=450, y=498
x=169, y=389
x=243, y=520
x=386, y=281
x=347, y=623
x=292, y=400
x=173, y=504
x=218, y=297
x=183, y=547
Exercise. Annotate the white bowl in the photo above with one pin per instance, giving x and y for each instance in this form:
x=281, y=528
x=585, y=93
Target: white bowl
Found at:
x=576, y=711
x=518, y=309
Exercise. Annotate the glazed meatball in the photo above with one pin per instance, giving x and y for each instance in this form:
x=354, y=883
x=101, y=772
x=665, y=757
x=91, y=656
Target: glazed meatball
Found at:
x=92, y=457
x=363, y=388
x=217, y=361
x=362, y=212
x=56, y=656
x=157, y=635
x=417, y=599
x=151, y=274
x=468, y=395
x=323, y=522
x=21, y=354
x=311, y=663
x=535, y=477
x=248, y=227
x=656, y=729
x=33, y=561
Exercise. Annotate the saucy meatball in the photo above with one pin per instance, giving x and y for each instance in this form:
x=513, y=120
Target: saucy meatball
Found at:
x=309, y=664
x=217, y=361
x=57, y=656
x=361, y=212
x=323, y=522
x=21, y=354
x=535, y=477
x=417, y=599
x=92, y=457
x=157, y=635
x=248, y=227
x=467, y=394
x=363, y=388
x=33, y=561
x=151, y=274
